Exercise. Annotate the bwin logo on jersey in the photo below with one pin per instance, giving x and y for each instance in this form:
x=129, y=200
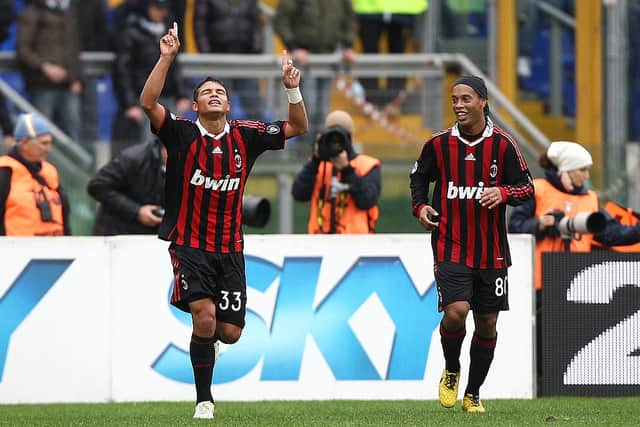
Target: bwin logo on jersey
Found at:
x=463, y=192
x=223, y=184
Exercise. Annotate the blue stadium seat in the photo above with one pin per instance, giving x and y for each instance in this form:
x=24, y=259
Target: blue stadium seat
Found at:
x=540, y=81
x=107, y=107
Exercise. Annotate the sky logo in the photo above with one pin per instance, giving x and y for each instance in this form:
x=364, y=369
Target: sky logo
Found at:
x=295, y=317
x=37, y=278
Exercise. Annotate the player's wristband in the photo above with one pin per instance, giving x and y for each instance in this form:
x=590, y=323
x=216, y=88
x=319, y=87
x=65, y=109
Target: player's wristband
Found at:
x=293, y=94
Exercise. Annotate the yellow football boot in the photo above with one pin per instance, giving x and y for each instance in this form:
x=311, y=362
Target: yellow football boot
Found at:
x=472, y=403
x=448, y=390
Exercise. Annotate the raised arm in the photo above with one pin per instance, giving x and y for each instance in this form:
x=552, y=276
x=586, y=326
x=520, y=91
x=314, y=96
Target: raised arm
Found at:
x=298, y=123
x=169, y=47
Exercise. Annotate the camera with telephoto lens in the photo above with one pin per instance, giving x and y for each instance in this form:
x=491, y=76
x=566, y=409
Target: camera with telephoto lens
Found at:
x=332, y=141
x=582, y=223
x=255, y=211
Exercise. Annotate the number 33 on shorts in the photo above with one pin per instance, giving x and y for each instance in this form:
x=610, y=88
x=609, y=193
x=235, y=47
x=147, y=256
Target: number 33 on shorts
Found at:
x=230, y=301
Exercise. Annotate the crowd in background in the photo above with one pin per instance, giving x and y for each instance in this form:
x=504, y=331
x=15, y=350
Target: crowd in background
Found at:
x=49, y=35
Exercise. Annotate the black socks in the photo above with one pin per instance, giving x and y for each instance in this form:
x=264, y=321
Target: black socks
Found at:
x=202, y=355
x=451, y=344
x=481, y=351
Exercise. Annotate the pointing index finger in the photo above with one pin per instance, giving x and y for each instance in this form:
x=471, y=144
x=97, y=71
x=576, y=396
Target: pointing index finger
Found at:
x=284, y=58
x=175, y=29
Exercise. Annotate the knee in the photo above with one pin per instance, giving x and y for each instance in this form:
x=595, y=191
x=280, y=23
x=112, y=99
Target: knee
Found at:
x=229, y=334
x=455, y=316
x=204, y=322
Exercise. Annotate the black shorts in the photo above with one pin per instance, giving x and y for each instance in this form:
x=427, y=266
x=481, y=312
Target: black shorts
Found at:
x=485, y=290
x=199, y=274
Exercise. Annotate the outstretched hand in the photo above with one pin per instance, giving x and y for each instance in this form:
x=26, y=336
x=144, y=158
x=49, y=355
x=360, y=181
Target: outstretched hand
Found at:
x=290, y=74
x=170, y=43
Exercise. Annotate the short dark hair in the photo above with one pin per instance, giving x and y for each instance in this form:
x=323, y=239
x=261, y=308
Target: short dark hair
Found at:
x=209, y=79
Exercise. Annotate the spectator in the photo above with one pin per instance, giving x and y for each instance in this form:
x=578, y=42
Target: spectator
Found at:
x=119, y=16
x=232, y=26
x=341, y=185
x=316, y=26
x=130, y=189
x=6, y=124
x=563, y=191
x=32, y=202
x=93, y=38
x=136, y=54
x=48, y=53
x=398, y=19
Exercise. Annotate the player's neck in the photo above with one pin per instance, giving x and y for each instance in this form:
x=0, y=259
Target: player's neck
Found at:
x=213, y=125
x=474, y=129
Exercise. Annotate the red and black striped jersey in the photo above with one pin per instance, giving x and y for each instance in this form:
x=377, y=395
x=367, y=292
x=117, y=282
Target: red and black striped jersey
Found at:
x=469, y=233
x=205, y=179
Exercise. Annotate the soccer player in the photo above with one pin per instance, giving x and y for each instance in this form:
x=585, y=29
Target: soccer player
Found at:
x=477, y=169
x=208, y=163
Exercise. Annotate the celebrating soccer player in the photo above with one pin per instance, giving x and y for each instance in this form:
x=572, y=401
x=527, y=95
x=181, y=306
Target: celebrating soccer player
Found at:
x=477, y=169
x=209, y=161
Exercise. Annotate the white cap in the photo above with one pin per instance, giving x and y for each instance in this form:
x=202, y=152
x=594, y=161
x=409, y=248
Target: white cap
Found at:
x=568, y=156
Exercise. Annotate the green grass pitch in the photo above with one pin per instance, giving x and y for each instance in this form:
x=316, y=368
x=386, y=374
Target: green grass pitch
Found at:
x=560, y=411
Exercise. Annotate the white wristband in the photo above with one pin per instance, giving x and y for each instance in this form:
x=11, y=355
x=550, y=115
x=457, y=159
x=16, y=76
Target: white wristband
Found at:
x=293, y=94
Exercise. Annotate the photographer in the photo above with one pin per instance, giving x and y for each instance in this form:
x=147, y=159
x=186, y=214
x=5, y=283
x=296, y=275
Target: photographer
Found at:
x=130, y=189
x=341, y=185
x=562, y=193
x=562, y=196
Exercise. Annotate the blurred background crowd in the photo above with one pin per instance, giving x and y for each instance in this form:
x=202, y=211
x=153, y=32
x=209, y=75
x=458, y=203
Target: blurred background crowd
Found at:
x=389, y=64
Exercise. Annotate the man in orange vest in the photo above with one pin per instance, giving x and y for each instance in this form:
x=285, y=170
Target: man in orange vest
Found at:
x=32, y=202
x=341, y=185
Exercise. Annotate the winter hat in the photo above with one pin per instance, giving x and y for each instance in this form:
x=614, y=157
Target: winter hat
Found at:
x=30, y=125
x=568, y=156
x=339, y=118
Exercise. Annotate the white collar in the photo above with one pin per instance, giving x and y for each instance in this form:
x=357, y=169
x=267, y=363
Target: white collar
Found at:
x=488, y=131
x=204, y=131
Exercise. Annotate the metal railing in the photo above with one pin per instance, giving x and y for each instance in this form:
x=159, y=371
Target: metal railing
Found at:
x=267, y=66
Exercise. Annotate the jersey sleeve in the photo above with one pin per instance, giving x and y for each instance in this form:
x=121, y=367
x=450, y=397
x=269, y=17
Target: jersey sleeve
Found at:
x=262, y=136
x=518, y=184
x=175, y=130
x=423, y=172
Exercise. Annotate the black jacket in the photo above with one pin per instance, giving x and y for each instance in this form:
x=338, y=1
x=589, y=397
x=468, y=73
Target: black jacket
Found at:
x=228, y=26
x=133, y=178
x=92, y=25
x=523, y=220
x=137, y=51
